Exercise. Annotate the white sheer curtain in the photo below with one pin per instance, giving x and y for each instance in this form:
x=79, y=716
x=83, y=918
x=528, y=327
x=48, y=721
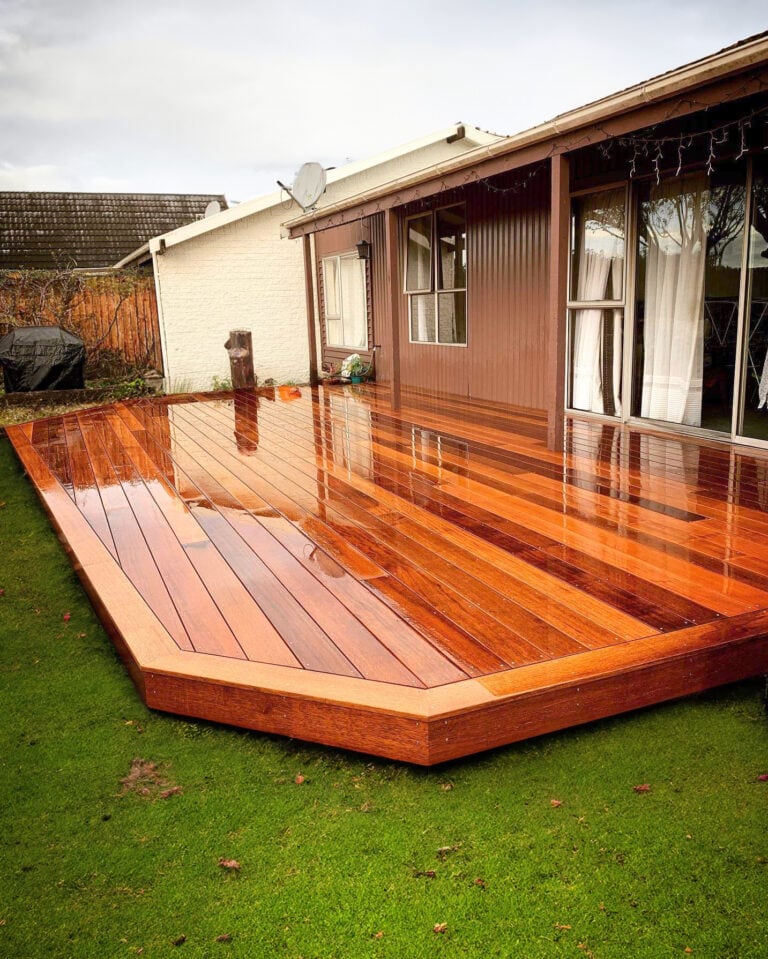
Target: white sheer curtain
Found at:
x=673, y=335
x=594, y=330
x=354, y=302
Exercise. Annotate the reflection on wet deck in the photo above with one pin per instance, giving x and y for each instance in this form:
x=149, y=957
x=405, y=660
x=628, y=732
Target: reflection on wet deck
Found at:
x=423, y=583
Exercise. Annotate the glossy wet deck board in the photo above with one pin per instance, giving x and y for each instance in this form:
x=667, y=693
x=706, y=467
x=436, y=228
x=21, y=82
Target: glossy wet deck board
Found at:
x=341, y=551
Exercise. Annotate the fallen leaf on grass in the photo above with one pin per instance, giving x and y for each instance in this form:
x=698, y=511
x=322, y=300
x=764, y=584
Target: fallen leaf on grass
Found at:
x=555, y=802
x=688, y=950
x=644, y=788
x=440, y=927
x=429, y=874
x=66, y=617
x=180, y=941
x=173, y=791
x=562, y=927
x=224, y=937
x=479, y=882
x=299, y=780
x=446, y=787
x=231, y=864
x=379, y=934
x=763, y=778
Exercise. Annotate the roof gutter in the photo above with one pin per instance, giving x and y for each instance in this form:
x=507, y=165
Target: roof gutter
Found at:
x=717, y=66
x=137, y=254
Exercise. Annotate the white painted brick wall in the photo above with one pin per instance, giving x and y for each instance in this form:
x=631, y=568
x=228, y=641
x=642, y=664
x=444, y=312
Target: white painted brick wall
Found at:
x=241, y=276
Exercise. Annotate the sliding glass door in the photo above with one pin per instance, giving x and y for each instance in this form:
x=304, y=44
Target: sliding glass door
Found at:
x=690, y=242
x=691, y=337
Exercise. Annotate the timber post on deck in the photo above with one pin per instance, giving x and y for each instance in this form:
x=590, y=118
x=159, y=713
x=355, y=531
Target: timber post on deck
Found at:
x=240, y=349
x=309, y=290
x=558, y=301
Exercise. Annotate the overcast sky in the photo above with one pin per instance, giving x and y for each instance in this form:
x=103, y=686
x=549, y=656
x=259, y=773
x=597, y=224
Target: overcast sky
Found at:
x=222, y=96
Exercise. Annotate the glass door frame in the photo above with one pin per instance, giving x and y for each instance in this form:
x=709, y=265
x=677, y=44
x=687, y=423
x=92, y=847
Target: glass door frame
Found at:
x=573, y=305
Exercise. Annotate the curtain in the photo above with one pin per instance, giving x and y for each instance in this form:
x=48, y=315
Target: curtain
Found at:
x=674, y=301
x=597, y=334
x=354, y=302
x=762, y=390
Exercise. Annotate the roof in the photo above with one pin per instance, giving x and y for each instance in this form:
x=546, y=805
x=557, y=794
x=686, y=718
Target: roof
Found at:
x=463, y=135
x=734, y=59
x=88, y=230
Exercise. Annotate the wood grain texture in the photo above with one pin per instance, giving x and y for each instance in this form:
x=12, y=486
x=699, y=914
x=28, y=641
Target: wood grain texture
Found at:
x=421, y=581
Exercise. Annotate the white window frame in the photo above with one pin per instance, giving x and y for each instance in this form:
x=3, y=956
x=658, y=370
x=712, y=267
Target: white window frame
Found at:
x=339, y=315
x=432, y=288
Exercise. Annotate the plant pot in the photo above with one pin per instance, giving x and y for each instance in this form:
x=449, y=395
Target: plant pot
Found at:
x=356, y=379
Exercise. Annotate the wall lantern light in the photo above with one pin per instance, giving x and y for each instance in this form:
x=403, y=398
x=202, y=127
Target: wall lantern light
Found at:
x=363, y=250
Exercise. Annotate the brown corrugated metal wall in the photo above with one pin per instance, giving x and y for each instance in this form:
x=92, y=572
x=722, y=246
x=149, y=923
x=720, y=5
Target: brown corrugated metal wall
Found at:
x=508, y=255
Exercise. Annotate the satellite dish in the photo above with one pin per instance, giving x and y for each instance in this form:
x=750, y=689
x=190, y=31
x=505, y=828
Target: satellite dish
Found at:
x=212, y=209
x=308, y=185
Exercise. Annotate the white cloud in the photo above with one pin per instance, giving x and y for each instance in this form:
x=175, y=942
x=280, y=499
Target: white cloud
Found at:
x=44, y=176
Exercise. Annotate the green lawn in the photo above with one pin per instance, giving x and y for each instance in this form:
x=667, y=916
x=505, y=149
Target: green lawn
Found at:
x=364, y=857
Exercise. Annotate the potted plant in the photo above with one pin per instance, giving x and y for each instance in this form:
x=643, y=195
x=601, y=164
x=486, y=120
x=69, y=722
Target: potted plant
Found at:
x=354, y=369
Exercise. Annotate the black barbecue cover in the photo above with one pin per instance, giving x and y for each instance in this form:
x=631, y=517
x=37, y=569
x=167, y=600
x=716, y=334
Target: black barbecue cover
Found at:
x=42, y=358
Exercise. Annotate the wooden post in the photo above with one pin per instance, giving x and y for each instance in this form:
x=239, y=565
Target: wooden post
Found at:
x=558, y=301
x=309, y=288
x=240, y=349
x=392, y=240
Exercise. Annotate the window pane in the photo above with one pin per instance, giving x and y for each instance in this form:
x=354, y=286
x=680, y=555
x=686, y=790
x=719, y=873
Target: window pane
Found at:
x=452, y=248
x=452, y=317
x=597, y=247
x=354, y=307
x=423, y=318
x=596, y=355
x=419, y=253
x=331, y=286
x=334, y=331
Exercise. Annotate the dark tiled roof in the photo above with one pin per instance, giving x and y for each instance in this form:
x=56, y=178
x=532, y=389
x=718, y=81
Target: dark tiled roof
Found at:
x=88, y=230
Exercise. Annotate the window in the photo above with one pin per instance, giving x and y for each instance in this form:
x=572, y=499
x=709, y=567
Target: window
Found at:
x=436, y=276
x=345, y=301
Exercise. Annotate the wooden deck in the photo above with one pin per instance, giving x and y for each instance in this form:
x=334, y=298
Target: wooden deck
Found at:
x=420, y=585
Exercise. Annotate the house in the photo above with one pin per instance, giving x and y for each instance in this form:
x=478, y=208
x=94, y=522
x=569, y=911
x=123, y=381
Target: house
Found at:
x=611, y=262
x=238, y=270
x=88, y=231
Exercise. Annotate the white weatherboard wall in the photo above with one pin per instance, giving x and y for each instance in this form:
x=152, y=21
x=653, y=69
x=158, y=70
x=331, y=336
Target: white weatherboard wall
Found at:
x=240, y=276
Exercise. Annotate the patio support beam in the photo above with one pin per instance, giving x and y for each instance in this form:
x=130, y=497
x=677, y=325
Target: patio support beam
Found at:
x=309, y=288
x=392, y=237
x=558, y=300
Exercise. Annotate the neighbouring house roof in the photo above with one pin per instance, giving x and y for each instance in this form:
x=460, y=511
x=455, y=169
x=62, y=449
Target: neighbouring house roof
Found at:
x=737, y=58
x=466, y=136
x=88, y=230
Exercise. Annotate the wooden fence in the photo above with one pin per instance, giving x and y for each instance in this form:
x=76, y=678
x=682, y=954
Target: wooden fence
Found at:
x=115, y=315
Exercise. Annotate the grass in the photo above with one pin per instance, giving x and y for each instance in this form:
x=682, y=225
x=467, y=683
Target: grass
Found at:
x=105, y=857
